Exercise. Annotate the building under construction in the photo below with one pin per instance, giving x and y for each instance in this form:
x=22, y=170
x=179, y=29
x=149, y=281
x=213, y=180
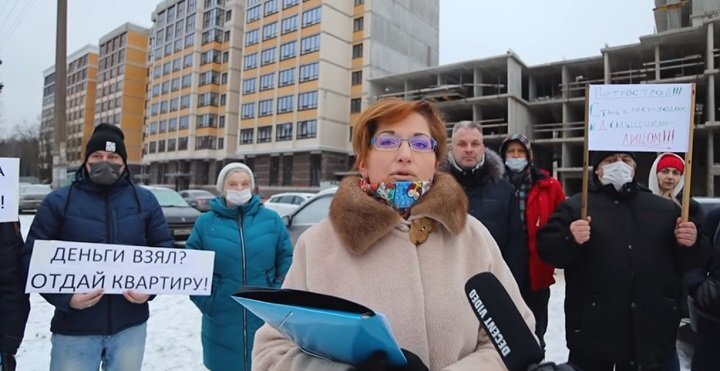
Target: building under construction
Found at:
x=547, y=102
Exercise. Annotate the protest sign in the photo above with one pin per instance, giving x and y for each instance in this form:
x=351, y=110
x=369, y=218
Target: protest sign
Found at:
x=9, y=188
x=640, y=118
x=77, y=267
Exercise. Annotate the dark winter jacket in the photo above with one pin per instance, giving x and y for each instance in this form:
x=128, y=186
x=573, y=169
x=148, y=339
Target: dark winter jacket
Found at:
x=623, y=286
x=14, y=303
x=491, y=200
x=258, y=254
x=121, y=213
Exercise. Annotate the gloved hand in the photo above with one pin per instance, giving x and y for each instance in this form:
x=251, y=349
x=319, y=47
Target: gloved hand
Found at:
x=378, y=362
x=707, y=296
x=7, y=362
x=550, y=366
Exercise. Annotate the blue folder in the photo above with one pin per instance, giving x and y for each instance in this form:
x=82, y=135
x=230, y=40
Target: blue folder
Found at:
x=322, y=325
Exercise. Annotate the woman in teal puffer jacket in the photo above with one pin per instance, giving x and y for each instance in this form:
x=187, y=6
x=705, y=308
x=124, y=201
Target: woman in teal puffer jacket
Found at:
x=252, y=248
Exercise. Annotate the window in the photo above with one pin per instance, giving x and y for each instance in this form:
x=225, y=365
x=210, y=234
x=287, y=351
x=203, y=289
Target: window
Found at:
x=207, y=99
x=357, y=51
x=221, y=120
x=358, y=24
x=153, y=146
x=309, y=72
x=267, y=81
x=174, y=104
x=157, y=72
x=307, y=129
x=285, y=104
x=315, y=167
x=223, y=78
x=286, y=77
x=167, y=67
x=172, y=124
x=287, y=166
x=183, y=144
x=355, y=105
x=179, y=28
x=269, y=31
x=188, y=61
x=274, y=168
x=251, y=37
x=228, y=16
x=251, y=3
x=189, y=40
x=207, y=120
x=358, y=2
x=246, y=136
x=356, y=78
x=289, y=24
x=183, y=122
x=185, y=102
x=289, y=3
x=205, y=142
x=223, y=100
x=287, y=50
x=265, y=107
x=190, y=23
x=175, y=84
x=247, y=110
x=283, y=132
x=155, y=90
x=250, y=61
x=309, y=44
x=187, y=80
x=221, y=143
x=166, y=87
x=210, y=56
x=311, y=17
x=249, y=86
x=264, y=134
x=176, y=64
x=209, y=77
x=267, y=56
x=307, y=100
x=270, y=7
x=161, y=146
x=164, y=106
x=253, y=14
x=171, y=145
x=215, y=34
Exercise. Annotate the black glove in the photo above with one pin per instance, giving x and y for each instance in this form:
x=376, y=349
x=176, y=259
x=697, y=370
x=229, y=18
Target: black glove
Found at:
x=8, y=362
x=707, y=296
x=378, y=362
x=550, y=366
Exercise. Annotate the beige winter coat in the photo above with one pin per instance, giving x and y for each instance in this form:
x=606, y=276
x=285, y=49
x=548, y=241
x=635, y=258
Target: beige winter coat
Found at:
x=363, y=253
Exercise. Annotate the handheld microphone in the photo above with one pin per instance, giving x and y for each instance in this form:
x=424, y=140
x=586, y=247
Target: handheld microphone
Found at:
x=502, y=322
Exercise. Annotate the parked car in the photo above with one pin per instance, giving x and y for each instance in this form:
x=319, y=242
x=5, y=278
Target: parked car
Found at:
x=198, y=198
x=707, y=203
x=285, y=203
x=179, y=216
x=31, y=195
x=309, y=213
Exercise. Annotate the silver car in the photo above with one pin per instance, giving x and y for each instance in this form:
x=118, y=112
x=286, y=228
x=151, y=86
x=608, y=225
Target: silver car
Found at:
x=31, y=196
x=309, y=213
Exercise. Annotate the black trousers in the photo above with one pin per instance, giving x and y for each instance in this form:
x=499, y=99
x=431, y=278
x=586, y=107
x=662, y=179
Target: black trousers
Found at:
x=585, y=363
x=537, y=301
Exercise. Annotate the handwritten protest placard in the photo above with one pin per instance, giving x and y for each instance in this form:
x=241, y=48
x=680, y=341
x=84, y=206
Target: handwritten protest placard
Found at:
x=9, y=188
x=76, y=267
x=639, y=118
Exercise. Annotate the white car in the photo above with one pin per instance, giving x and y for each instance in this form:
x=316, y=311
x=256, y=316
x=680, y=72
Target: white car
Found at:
x=285, y=203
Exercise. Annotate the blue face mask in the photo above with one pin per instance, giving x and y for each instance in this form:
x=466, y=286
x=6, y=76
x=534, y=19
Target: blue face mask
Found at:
x=516, y=164
x=400, y=195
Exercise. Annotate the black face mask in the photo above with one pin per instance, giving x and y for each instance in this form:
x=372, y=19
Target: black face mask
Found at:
x=104, y=173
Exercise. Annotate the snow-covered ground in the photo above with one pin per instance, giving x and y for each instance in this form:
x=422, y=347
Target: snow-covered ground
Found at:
x=173, y=341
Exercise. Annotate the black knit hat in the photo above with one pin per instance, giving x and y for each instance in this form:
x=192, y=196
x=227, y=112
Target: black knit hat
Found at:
x=596, y=157
x=520, y=138
x=107, y=137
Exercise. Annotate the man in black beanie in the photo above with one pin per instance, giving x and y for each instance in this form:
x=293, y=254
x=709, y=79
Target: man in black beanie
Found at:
x=623, y=269
x=102, y=206
x=105, y=154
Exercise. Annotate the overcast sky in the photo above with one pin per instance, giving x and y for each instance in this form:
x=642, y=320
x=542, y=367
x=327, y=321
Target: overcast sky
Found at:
x=539, y=31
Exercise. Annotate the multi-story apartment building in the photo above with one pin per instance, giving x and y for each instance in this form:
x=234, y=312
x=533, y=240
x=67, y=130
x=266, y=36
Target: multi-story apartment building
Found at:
x=292, y=78
x=547, y=102
x=46, y=126
x=80, y=108
x=121, y=86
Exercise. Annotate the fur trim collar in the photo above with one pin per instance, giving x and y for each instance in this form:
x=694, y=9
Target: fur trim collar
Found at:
x=360, y=221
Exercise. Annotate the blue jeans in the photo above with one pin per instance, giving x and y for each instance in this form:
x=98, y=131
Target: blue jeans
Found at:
x=120, y=352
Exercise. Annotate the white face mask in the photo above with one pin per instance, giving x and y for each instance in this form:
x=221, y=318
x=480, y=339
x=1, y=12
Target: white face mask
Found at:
x=516, y=164
x=235, y=198
x=617, y=173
